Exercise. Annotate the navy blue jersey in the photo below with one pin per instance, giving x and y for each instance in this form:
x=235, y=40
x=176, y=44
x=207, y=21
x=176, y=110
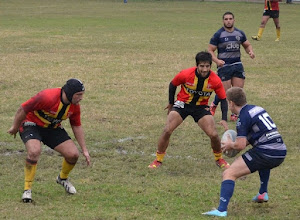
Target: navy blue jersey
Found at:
x=256, y=125
x=228, y=44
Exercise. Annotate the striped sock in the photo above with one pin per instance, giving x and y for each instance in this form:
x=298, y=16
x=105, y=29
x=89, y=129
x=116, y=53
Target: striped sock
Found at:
x=218, y=155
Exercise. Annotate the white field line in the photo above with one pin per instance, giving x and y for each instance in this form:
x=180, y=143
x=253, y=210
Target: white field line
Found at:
x=120, y=150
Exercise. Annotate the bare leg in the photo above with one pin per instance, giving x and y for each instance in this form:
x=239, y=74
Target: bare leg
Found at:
x=207, y=124
x=173, y=121
x=238, y=82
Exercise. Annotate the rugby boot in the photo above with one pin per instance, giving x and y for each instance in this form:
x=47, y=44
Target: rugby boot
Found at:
x=66, y=184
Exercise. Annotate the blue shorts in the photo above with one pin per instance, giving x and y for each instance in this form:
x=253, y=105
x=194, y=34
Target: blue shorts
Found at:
x=196, y=111
x=49, y=136
x=228, y=72
x=256, y=160
x=271, y=13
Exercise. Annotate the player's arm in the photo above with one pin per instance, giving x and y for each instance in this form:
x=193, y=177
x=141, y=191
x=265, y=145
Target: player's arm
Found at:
x=220, y=92
x=241, y=140
x=248, y=48
x=19, y=117
x=211, y=49
x=79, y=135
x=224, y=109
x=34, y=103
x=240, y=143
x=172, y=91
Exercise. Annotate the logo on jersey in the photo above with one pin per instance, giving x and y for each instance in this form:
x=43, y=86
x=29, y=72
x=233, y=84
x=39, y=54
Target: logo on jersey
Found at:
x=232, y=46
x=200, y=93
x=238, y=122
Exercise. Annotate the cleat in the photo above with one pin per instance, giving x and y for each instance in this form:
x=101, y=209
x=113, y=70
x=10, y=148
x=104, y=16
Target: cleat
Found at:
x=66, y=184
x=27, y=196
x=155, y=164
x=255, y=38
x=260, y=198
x=233, y=117
x=277, y=39
x=222, y=163
x=212, y=108
x=216, y=212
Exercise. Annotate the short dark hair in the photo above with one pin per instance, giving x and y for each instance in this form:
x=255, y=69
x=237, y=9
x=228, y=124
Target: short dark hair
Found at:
x=203, y=56
x=228, y=13
x=236, y=95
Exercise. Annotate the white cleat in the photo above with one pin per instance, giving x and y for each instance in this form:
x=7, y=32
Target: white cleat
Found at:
x=66, y=184
x=26, y=197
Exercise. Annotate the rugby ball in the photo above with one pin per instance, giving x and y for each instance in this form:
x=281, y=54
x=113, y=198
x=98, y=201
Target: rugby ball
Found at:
x=232, y=135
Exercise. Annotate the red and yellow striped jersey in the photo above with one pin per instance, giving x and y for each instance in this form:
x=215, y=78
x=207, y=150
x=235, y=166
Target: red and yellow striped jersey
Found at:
x=271, y=5
x=197, y=90
x=47, y=110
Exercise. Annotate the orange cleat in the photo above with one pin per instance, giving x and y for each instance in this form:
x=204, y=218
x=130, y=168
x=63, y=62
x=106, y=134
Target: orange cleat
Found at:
x=155, y=164
x=222, y=163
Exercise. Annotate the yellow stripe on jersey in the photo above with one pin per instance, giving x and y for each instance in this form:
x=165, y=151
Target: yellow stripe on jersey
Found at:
x=42, y=119
x=47, y=123
x=188, y=88
x=206, y=90
x=64, y=117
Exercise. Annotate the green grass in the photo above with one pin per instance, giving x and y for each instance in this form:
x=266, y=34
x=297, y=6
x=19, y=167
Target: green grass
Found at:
x=126, y=55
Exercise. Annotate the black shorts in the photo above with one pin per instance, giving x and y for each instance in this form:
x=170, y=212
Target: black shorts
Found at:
x=228, y=72
x=271, y=13
x=196, y=111
x=256, y=160
x=49, y=136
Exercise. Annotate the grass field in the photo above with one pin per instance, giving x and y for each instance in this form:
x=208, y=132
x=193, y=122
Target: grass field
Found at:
x=126, y=55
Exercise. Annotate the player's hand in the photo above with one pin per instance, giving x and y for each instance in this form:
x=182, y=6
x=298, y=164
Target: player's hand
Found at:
x=220, y=63
x=251, y=54
x=87, y=157
x=224, y=124
x=169, y=108
x=13, y=131
x=226, y=145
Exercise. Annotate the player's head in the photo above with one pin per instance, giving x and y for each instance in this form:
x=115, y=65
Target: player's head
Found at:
x=203, y=56
x=71, y=87
x=228, y=13
x=203, y=62
x=228, y=19
x=237, y=96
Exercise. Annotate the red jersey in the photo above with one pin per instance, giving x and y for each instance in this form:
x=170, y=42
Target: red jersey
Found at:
x=47, y=110
x=271, y=5
x=195, y=89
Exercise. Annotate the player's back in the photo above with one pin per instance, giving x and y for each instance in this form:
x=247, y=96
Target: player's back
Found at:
x=262, y=131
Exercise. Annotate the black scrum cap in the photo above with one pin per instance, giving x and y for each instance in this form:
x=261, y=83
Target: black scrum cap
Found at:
x=71, y=87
